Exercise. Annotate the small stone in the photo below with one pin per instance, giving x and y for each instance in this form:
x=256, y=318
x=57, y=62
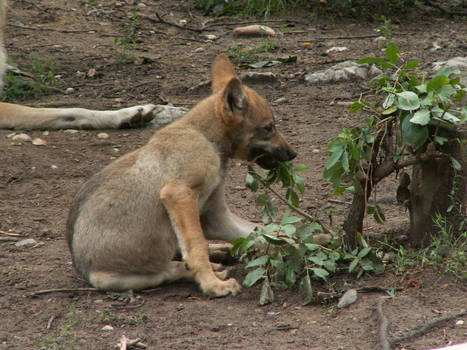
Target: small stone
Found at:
x=45, y=133
x=25, y=243
x=459, y=323
x=199, y=49
x=211, y=37
x=69, y=90
x=70, y=131
x=337, y=49
x=102, y=135
x=347, y=299
x=39, y=142
x=253, y=30
x=107, y=328
x=316, y=150
x=281, y=100
x=183, y=22
x=21, y=137
x=54, y=166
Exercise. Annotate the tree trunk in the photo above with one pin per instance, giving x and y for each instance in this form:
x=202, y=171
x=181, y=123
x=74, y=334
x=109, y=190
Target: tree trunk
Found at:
x=435, y=186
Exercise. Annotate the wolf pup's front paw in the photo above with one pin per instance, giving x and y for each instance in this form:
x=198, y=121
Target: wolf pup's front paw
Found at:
x=217, y=288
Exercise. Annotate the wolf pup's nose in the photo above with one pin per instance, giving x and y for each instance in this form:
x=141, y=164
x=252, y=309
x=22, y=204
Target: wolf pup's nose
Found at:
x=291, y=154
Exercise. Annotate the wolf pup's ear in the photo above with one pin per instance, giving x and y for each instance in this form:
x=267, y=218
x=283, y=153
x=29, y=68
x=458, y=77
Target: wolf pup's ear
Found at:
x=222, y=71
x=234, y=98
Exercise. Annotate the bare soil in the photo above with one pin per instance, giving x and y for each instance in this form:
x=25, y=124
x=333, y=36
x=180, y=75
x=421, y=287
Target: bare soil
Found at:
x=37, y=183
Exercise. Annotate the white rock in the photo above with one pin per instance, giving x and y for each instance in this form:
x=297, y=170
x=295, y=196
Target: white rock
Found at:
x=25, y=243
x=39, y=142
x=21, y=137
x=107, y=328
x=70, y=131
x=211, y=37
x=316, y=150
x=54, y=166
x=46, y=133
x=348, y=298
x=199, y=49
x=337, y=49
x=102, y=135
x=342, y=72
x=165, y=114
x=69, y=90
x=281, y=100
x=254, y=29
x=459, y=323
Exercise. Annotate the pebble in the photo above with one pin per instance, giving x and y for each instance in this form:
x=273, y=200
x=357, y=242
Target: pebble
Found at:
x=316, y=150
x=69, y=90
x=347, y=299
x=21, y=137
x=70, y=131
x=107, y=328
x=102, y=135
x=199, y=49
x=281, y=100
x=459, y=323
x=25, y=243
x=39, y=142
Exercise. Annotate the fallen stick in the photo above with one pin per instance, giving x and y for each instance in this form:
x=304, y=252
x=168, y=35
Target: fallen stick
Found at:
x=427, y=327
x=382, y=325
x=61, y=290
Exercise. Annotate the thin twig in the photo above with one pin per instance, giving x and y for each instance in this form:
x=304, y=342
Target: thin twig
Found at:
x=427, y=327
x=159, y=19
x=382, y=325
x=442, y=10
x=62, y=290
x=49, y=324
x=50, y=29
x=293, y=207
x=339, y=201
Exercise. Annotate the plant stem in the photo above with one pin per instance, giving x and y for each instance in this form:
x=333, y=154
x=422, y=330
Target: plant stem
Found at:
x=293, y=207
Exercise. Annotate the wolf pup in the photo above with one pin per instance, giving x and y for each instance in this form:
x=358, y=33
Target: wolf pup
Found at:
x=129, y=220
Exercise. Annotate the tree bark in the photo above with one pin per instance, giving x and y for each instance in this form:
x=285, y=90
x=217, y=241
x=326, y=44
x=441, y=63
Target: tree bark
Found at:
x=435, y=186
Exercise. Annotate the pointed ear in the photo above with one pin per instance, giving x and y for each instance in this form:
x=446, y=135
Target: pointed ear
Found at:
x=234, y=97
x=222, y=71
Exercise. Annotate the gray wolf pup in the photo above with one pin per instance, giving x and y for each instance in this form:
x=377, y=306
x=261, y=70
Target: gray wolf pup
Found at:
x=129, y=220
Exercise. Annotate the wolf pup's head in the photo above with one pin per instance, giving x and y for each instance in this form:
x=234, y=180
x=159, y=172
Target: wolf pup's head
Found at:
x=246, y=119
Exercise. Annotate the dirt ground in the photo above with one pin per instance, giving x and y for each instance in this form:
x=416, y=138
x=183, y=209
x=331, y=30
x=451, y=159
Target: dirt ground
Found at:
x=37, y=182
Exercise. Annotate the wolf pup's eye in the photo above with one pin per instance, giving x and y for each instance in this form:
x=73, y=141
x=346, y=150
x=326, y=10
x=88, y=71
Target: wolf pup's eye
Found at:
x=269, y=127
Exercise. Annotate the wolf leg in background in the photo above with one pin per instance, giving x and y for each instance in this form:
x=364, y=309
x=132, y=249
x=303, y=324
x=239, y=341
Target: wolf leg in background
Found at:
x=128, y=221
x=15, y=116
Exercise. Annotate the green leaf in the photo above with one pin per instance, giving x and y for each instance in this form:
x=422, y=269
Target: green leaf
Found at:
x=366, y=264
x=289, y=230
x=321, y=273
x=364, y=252
x=306, y=290
x=290, y=220
x=356, y=106
x=330, y=265
x=414, y=134
x=301, y=167
x=372, y=60
x=456, y=164
x=450, y=118
x=274, y=240
x=292, y=197
x=312, y=247
x=335, y=156
x=408, y=101
x=253, y=277
x=421, y=117
x=316, y=260
x=353, y=264
x=262, y=260
x=390, y=110
x=392, y=53
x=437, y=83
x=440, y=140
x=411, y=65
x=290, y=277
x=389, y=101
x=251, y=182
x=267, y=295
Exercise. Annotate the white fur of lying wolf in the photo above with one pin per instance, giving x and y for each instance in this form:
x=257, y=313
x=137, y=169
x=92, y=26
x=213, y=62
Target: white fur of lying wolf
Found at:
x=14, y=116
